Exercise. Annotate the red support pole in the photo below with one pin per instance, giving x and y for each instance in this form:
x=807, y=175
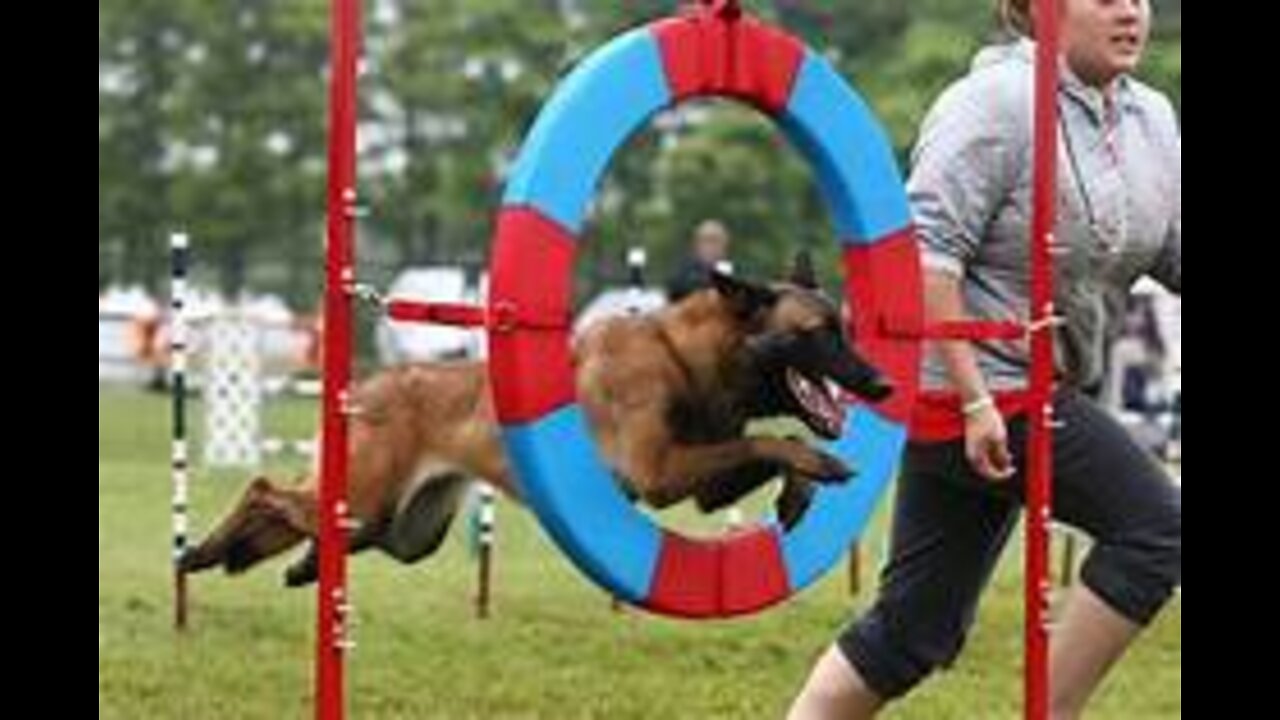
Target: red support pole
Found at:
x=333, y=602
x=1039, y=492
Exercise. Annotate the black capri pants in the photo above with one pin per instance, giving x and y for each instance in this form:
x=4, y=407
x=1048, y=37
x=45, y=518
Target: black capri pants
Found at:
x=950, y=526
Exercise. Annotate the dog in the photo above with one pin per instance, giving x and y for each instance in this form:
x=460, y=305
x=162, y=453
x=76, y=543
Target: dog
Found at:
x=668, y=396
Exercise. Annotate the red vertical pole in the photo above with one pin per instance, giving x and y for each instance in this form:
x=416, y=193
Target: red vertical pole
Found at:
x=1040, y=437
x=333, y=601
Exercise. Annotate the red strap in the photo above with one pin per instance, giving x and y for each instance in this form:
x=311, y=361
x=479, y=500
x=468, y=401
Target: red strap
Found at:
x=937, y=416
x=954, y=330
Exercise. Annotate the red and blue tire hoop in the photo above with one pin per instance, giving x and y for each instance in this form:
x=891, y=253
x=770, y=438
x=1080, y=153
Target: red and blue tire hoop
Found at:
x=561, y=473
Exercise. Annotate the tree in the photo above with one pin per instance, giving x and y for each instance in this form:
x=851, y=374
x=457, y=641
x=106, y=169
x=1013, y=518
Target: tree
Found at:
x=137, y=45
x=211, y=117
x=855, y=32
x=250, y=166
x=456, y=83
x=724, y=162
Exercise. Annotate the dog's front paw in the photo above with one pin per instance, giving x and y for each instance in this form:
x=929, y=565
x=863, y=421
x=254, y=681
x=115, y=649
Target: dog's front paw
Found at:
x=793, y=500
x=815, y=464
x=834, y=470
x=822, y=467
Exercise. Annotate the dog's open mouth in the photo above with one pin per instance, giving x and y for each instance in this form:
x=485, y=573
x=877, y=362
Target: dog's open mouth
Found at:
x=821, y=402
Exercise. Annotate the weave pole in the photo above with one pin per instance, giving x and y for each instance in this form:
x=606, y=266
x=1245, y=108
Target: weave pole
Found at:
x=178, y=451
x=485, y=520
x=333, y=603
x=1039, y=495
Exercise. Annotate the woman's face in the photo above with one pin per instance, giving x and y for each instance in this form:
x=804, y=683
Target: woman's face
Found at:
x=1105, y=38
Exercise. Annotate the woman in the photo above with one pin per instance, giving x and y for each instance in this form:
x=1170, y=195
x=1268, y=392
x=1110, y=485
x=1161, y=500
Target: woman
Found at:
x=960, y=493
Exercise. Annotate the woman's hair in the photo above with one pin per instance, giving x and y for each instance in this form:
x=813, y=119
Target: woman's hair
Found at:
x=1015, y=16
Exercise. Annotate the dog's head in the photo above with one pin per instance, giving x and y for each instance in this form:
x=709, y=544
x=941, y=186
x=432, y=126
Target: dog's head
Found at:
x=800, y=352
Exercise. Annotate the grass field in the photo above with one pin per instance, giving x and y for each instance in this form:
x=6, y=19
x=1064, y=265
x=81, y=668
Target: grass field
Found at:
x=553, y=649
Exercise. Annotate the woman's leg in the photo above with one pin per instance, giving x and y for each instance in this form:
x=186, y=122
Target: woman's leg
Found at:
x=948, y=531
x=1115, y=491
x=1089, y=638
x=835, y=689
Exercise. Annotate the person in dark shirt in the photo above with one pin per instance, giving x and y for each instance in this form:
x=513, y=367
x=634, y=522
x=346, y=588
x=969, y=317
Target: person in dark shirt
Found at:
x=709, y=250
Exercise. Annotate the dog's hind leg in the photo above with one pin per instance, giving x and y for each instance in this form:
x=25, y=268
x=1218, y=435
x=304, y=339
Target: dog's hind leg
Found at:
x=423, y=517
x=415, y=529
x=265, y=522
x=306, y=569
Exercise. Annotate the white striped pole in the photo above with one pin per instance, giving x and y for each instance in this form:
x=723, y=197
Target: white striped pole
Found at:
x=178, y=256
x=485, y=537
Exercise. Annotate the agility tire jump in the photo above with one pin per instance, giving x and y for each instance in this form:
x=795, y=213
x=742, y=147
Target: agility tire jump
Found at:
x=606, y=99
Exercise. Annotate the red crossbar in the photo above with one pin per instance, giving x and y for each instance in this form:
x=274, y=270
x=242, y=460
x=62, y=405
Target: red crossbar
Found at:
x=455, y=314
x=503, y=318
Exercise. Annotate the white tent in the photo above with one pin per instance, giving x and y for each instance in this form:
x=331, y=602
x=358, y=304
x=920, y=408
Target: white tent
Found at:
x=619, y=301
x=122, y=313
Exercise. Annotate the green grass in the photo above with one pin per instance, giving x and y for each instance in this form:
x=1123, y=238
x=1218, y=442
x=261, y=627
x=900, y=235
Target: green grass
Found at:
x=553, y=649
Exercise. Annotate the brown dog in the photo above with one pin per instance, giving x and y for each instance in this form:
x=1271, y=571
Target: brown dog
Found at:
x=668, y=396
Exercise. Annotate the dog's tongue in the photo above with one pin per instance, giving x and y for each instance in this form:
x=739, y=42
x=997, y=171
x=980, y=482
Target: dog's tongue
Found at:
x=822, y=401
x=835, y=405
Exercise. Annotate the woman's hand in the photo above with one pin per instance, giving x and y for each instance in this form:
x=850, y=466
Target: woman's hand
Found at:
x=986, y=443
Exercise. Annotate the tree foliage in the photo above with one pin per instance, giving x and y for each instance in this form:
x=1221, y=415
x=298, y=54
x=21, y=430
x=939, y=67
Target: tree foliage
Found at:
x=211, y=118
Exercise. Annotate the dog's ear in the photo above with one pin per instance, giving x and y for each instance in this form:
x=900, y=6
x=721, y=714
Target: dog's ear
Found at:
x=744, y=296
x=802, y=273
